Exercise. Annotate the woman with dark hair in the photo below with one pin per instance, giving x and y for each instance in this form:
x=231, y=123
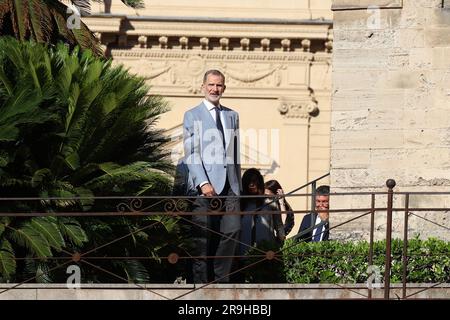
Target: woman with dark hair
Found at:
x=272, y=188
x=258, y=227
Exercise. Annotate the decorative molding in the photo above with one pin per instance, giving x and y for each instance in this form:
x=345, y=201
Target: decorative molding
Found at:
x=142, y=40
x=204, y=42
x=148, y=70
x=163, y=40
x=245, y=44
x=264, y=74
x=306, y=44
x=298, y=108
x=235, y=56
x=97, y=24
x=224, y=42
x=265, y=44
x=205, y=29
x=184, y=41
x=249, y=72
x=286, y=44
x=342, y=5
x=329, y=46
x=322, y=57
x=179, y=70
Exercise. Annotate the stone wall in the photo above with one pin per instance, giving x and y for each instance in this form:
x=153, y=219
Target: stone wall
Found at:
x=390, y=110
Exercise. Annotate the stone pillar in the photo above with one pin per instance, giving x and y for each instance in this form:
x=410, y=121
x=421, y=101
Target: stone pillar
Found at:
x=391, y=109
x=294, y=140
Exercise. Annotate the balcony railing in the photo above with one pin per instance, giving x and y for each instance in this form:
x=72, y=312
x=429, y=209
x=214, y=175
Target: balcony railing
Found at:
x=147, y=214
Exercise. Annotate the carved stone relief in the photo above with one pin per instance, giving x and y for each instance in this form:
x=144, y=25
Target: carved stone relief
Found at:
x=251, y=74
x=298, y=108
x=185, y=68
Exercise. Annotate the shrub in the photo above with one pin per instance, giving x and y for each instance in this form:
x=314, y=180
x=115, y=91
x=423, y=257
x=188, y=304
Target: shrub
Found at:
x=347, y=262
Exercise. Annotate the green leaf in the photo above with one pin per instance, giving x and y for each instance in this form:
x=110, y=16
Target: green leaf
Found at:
x=109, y=167
x=32, y=239
x=73, y=161
x=7, y=259
x=87, y=198
x=136, y=272
x=4, y=158
x=40, y=176
x=49, y=229
x=44, y=22
x=8, y=133
x=42, y=273
x=72, y=230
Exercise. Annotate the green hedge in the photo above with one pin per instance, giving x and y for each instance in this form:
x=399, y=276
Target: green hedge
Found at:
x=347, y=262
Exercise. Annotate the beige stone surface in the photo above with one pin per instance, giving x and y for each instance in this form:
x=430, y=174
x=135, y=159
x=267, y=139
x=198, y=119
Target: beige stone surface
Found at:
x=364, y=4
x=266, y=9
x=390, y=110
x=220, y=292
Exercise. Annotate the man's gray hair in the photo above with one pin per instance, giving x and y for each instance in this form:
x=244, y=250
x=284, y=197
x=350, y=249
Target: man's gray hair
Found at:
x=214, y=72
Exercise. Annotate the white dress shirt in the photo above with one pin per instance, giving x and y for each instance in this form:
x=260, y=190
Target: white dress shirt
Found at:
x=318, y=220
x=211, y=110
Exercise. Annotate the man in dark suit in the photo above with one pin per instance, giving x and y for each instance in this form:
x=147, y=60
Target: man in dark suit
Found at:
x=318, y=219
x=211, y=148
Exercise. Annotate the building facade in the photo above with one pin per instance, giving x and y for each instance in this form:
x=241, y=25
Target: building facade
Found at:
x=276, y=56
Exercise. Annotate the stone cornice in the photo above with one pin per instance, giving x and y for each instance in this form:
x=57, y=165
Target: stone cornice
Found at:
x=342, y=5
x=220, y=55
x=206, y=29
x=217, y=19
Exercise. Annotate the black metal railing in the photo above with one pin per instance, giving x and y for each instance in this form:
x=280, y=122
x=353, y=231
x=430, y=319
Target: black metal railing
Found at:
x=160, y=206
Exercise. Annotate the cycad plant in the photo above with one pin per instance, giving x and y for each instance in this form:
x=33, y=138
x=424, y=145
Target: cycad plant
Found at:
x=50, y=21
x=72, y=125
x=45, y=21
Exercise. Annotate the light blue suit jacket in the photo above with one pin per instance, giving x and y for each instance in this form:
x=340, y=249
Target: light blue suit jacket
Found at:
x=204, y=152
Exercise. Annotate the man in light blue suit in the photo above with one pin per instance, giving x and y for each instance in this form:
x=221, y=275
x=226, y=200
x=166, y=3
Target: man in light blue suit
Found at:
x=211, y=147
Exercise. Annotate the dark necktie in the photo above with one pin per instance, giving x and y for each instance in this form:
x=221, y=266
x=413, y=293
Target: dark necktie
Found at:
x=318, y=233
x=219, y=125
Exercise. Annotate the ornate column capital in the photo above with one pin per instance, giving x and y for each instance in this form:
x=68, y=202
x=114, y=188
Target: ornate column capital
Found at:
x=294, y=108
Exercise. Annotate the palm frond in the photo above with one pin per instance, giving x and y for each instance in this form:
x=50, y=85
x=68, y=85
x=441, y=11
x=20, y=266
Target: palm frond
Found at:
x=37, y=270
x=2, y=225
x=79, y=127
x=28, y=237
x=47, y=226
x=72, y=231
x=136, y=272
x=138, y=177
x=7, y=259
x=45, y=22
x=41, y=177
x=134, y=3
x=83, y=5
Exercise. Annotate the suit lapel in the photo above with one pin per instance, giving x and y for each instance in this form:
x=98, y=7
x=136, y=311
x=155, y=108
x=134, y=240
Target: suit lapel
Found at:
x=207, y=119
x=209, y=123
x=228, y=126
